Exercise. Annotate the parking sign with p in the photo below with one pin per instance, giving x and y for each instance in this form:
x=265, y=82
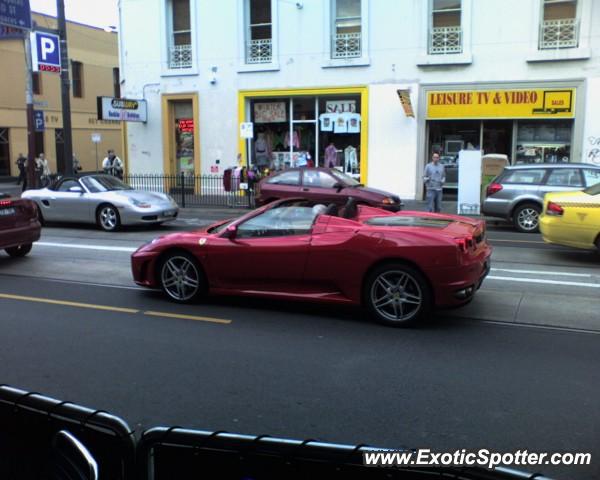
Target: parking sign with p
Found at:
x=45, y=52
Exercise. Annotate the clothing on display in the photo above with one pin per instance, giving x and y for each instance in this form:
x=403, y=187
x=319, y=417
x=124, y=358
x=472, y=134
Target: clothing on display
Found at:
x=352, y=122
x=262, y=151
x=350, y=160
x=340, y=126
x=327, y=120
x=331, y=157
x=295, y=139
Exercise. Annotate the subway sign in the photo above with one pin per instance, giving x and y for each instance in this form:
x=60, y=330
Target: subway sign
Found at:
x=518, y=103
x=123, y=109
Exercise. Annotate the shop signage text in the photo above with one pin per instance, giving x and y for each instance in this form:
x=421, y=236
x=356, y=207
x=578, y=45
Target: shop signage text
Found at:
x=123, y=109
x=531, y=103
x=271, y=112
x=186, y=125
x=340, y=106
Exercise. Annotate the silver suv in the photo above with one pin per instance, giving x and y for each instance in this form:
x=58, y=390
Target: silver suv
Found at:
x=517, y=194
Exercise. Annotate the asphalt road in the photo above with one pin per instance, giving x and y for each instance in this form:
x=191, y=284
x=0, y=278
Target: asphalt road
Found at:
x=75, y=327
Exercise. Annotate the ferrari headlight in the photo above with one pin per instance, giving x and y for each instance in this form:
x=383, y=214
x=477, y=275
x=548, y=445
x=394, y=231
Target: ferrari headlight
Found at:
x=388, y=201
x=139, y=203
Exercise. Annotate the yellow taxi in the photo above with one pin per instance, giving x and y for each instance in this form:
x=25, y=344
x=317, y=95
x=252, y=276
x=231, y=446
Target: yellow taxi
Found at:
x=572, y=218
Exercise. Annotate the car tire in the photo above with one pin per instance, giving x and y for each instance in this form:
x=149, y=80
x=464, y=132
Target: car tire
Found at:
x=526, y=218
x=19, y=250
x=397, y=295
x=597, y=243
x=180, y=277
x=107, y=218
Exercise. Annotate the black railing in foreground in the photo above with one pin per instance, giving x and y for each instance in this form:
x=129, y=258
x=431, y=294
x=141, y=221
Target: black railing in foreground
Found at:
x=194, y=190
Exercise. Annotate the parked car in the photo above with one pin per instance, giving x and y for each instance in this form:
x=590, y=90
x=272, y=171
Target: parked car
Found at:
x=572, y=218
x=399, y=265
x=324, y=185
x=101, y=199
x=19, y=225
x=517, y=194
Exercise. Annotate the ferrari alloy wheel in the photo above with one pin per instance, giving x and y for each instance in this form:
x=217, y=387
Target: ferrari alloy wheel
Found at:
x=397, y=295
x=527, y=218
x=181, y=278
x=19, y=250
x=108, y=218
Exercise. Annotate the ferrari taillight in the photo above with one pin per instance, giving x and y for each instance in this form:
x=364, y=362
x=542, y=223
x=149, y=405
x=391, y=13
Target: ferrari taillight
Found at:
x=554, y=209
x=5, y=203
x=464, y=243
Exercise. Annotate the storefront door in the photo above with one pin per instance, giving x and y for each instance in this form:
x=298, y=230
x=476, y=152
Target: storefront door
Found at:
x=497, y=136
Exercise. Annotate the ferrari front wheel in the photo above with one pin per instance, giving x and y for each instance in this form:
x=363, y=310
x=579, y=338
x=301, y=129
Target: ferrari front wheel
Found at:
x=180, y=277
x=19, y=250
x=397, y=295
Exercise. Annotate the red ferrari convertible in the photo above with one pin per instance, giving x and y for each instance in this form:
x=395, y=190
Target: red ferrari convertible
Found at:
x=398, y=265
x=19, y=225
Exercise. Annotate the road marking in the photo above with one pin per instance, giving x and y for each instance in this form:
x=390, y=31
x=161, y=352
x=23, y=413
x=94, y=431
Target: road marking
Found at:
x=515, y=241
x=542, y=272
x=548, y=282
x=67, y=303
x=87, y=247
x=188, y=317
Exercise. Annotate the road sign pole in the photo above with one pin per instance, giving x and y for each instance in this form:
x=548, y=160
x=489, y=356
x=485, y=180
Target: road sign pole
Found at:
x=96, y=144
x=31, y=180
x=65, y=88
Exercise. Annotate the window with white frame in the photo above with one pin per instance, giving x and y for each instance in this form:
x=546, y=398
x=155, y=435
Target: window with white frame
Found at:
x=445, y=27
x=346, y=29
x=259, y=31
x=180, y=34
x=559, y=27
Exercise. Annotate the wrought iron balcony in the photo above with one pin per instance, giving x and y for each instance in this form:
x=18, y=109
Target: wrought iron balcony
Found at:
x=562, y=33
x=259, y=51
x=180, y=56
x=346, y=45
x=444, y=40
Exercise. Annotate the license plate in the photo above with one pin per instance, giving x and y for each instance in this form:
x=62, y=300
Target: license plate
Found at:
x=4, y=212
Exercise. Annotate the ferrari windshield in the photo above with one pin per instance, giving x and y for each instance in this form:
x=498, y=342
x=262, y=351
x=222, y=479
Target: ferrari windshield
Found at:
x=104, y=183
x=346, y=179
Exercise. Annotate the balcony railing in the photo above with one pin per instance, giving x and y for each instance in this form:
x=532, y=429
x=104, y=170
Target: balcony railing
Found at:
x=346, y=45
x=259, y=51
x=562, y=33
x=444, y=40
x=180, y=56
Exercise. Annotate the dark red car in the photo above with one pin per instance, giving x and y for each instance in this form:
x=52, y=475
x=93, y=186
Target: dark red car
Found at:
x=19, y=225
x=399, y=265
x=324, y=185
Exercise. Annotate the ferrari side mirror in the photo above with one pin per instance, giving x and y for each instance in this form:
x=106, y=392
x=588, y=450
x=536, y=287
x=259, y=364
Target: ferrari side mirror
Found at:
x=230, y=232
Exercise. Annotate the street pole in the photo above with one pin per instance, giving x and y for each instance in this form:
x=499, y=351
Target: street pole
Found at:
x=30, y=173
x=96, y=144
x=65, y=88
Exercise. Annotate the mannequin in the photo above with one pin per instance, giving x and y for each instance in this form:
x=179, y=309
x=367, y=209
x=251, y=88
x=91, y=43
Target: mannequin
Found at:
x=261, y=151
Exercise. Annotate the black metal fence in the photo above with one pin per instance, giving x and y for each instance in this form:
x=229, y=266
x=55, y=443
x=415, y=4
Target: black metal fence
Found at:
x=195, y=190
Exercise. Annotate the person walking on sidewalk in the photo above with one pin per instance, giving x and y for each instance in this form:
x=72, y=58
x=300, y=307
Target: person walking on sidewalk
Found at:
x=434, y=178
x=21, y=160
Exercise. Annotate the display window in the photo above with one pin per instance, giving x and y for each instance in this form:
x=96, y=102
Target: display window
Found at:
x=543, y=141
x=306, y=131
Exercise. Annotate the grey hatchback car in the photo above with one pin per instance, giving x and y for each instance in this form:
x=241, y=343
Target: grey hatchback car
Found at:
x=517, y=194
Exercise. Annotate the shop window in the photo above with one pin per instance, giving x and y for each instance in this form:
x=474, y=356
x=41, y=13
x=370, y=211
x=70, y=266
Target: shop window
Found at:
x=565, y=177
x=259, y=31
x=4, y=152
x=184, y=137
x=116, y=83
x=346, y=29
x=179, y=34
x=559, y=27
x=445, y=28
x=36, y=79
x=77, y=79
x=591, y=176
x=544, y=142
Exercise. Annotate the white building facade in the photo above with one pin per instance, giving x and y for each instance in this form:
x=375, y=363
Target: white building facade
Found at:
x=518, y=77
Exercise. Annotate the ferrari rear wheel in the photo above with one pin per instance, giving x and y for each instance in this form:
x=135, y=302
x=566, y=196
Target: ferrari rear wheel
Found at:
x=19, y=250
x=397, y=295
x=108, y=218
x=181, y=278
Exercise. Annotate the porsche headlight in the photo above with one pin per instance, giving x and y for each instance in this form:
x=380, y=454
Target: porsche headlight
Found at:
x=139, y=203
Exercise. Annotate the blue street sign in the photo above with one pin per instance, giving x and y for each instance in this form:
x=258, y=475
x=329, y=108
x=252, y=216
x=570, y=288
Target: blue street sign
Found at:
x=45, y=52
x=15, y=13
x=38, y=121
x=9, y=33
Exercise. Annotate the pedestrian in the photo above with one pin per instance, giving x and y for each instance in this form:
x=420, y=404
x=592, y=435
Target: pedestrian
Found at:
x=434, y=178
x=21, y=160
x=113, y=165
x=42, y=170
x=76, y=165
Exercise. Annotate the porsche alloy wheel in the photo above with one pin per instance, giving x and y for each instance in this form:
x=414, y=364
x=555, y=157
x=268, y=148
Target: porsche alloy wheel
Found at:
x=398, y=295
x=19, y=250
x=108, y=218
x=180, y=277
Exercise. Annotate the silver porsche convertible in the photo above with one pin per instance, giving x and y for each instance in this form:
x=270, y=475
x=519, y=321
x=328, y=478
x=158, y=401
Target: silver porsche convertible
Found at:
x=101, y=199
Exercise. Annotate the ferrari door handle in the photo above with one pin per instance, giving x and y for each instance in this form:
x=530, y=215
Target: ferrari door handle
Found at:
x=305, y=189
